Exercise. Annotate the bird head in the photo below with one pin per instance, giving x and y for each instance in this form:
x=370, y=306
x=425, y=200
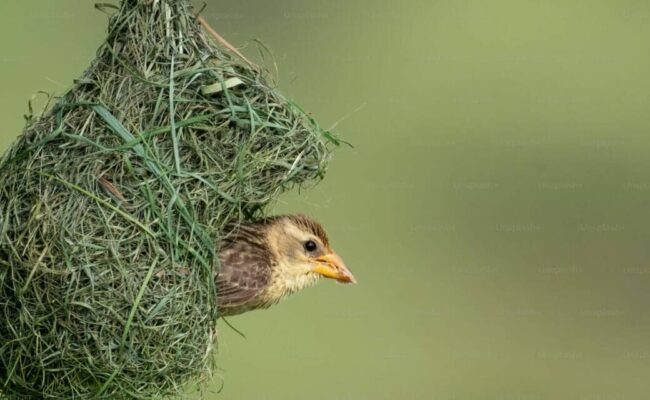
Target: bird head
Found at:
x=264, y=261
x=303, y=253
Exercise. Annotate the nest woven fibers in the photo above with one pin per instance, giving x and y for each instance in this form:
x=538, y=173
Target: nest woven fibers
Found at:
x=112, y=203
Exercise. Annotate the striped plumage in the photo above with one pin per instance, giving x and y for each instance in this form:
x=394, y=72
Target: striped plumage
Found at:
x=265, y=261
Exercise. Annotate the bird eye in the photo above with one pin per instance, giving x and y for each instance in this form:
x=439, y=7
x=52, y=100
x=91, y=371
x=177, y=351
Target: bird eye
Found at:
x=310, y=246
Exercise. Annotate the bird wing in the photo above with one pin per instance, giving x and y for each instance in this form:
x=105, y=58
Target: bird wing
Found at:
x=245, y=273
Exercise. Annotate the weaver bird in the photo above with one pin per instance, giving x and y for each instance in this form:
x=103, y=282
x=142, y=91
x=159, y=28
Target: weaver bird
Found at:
x=263, y=262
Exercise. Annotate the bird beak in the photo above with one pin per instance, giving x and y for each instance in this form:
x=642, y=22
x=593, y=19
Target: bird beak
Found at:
x=332, y=266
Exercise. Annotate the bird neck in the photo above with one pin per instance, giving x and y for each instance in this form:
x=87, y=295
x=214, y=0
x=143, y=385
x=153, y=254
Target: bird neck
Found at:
x=283, y=283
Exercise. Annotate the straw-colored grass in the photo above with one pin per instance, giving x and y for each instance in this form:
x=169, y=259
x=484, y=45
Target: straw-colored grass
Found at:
x=112, y=204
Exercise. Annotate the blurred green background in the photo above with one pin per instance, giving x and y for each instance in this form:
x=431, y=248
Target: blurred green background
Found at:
x=495, y=207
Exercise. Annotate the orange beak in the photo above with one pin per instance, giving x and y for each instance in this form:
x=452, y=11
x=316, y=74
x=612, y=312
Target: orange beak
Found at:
x=332, y=266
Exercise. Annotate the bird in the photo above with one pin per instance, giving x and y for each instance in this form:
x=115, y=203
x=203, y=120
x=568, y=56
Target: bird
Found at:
x=263, y=262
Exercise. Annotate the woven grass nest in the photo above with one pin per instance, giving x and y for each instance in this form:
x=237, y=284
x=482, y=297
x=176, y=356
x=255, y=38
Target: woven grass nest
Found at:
x=112, y=203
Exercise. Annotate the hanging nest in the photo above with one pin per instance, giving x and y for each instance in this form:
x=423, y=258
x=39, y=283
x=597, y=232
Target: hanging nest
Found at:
x=113, y=201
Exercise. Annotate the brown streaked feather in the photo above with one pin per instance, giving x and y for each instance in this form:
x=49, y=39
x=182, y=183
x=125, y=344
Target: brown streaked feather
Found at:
x=246, y=265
